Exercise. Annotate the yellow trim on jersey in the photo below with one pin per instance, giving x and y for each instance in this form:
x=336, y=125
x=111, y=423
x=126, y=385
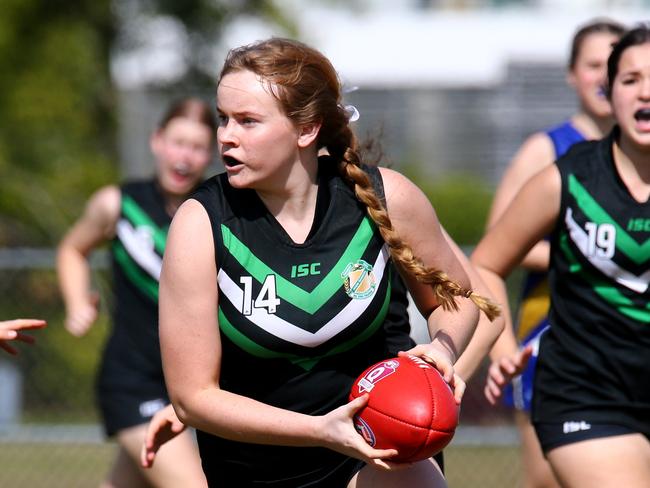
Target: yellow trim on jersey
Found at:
x=534, y=308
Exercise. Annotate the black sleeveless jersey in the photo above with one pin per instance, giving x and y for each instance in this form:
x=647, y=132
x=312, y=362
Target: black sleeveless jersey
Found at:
x=133, y=349
x=298, y=322
x=595, y=359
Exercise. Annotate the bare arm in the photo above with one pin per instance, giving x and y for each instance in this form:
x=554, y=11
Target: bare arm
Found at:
x=530, y=216
x=95, y=226
x=535, y=154
x=191, y=353
x=486, y=332
x=415, y=221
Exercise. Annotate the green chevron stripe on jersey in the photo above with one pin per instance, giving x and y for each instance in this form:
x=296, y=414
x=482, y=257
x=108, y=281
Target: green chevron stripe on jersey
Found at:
x=306, y=363
x=605, y=290
x=139, y=217
x=293, y=333
x=139, y=278
x=639, y=253
x=607, y=266
x=623, y=304
x=312, y=301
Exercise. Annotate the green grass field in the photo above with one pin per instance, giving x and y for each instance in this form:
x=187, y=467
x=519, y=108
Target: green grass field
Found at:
x=483, y=467
x=51, y=465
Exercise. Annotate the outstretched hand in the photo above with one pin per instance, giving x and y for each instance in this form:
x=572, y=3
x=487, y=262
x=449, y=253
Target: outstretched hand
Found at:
x=502, y=370
x=163, y=427
x=439, y=360
x=9, y=331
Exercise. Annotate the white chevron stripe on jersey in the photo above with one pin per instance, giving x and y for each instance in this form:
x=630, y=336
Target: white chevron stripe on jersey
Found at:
x=287, y=331
x=138, y=242
x=606, y=266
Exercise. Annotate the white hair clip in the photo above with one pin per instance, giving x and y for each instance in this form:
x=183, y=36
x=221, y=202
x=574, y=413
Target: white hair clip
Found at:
x=352, y=113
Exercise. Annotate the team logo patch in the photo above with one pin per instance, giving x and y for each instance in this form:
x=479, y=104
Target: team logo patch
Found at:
x=367, y=383
x=359, y=280
x=365, y=431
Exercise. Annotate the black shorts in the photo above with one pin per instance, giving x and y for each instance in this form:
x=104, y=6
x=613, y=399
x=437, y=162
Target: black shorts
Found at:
x=253, y=469
x=257, y=465
x=130, y=386
x=121, y=409
x=552, y=435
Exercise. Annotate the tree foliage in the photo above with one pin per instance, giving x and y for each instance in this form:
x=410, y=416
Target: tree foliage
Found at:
x=58, y=104
x=56, y=115
x=58, y=144
x=462, y=202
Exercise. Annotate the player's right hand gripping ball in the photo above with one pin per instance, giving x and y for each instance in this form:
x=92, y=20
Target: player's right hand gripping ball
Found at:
x=411, y=408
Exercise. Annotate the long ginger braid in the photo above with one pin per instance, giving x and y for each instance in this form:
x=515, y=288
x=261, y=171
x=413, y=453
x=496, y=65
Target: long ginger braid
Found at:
x=443, y=287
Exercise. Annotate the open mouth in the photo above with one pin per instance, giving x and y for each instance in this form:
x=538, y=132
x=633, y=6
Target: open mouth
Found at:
x=230, y=162
x=642, y=114
x=181, y=169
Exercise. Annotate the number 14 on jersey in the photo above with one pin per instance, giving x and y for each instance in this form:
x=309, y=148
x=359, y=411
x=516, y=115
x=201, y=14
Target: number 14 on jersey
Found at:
x=267, y=298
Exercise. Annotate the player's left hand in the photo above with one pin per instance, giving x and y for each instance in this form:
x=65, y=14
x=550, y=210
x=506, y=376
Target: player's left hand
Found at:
x=163, y=427
x=501, y=372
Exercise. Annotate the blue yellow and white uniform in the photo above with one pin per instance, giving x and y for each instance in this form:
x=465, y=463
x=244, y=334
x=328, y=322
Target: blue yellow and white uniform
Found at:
x=534, y=305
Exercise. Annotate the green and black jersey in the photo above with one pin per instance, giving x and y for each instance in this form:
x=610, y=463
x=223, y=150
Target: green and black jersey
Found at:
x=298, y=322
x=595, y=361
x=133, y=349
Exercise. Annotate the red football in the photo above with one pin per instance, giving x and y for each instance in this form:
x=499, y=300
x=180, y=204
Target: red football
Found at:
x=410, y=408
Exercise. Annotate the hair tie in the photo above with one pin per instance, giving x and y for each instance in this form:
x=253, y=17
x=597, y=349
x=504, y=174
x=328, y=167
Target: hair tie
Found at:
x=468, y=293
x=351, y=112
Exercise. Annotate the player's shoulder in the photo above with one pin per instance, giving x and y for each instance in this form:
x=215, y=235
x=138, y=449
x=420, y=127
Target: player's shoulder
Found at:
x=535, y=153
x=394, y=180
x=399, y=189
x=106, y=199
x=537, y=148
x=191, y=216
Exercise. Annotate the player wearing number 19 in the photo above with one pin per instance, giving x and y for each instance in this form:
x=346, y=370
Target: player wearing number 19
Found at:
x=276, y=283
x=591, y=400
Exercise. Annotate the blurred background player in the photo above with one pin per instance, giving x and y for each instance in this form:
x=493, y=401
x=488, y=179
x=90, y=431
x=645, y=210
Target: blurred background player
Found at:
x=591, y=401
x=587, y=68
x=134, y=218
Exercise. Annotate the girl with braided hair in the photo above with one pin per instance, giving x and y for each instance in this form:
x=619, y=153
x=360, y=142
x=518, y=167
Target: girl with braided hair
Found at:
x=276, y=282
